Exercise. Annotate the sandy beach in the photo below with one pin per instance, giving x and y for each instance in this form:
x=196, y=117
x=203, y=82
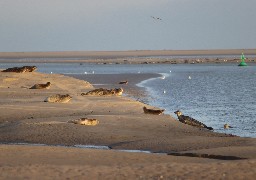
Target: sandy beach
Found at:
x=26, y=118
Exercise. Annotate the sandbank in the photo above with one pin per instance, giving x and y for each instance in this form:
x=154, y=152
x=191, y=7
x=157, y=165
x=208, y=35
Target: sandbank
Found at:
x=131, y=57
x=25, y=118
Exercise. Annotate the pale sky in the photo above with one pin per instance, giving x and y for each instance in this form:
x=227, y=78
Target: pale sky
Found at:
x=75, y=25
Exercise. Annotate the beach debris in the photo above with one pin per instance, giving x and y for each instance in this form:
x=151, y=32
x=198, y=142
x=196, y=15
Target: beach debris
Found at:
x=227, y=126
x=41, y=86
x=190, y=121
x=152, y=111
x=123, y=82
x=104, y=92
x=22, y=69
x=85, y=121
x=58, y=98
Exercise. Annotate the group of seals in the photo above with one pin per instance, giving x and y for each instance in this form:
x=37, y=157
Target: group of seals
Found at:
x=104, y=92
x=22, y=69
x=190, y=121
x=152, y=111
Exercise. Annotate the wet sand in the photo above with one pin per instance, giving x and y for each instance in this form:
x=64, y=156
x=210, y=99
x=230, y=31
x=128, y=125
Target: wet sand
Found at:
x=25, y=118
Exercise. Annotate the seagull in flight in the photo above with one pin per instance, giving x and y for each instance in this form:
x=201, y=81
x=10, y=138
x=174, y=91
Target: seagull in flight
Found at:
x=156, y=18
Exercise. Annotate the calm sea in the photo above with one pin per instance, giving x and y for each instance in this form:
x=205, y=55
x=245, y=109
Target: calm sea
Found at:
x=214, y=94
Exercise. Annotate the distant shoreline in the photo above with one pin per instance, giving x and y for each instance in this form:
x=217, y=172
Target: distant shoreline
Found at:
x=118, y=54
x=130, y=57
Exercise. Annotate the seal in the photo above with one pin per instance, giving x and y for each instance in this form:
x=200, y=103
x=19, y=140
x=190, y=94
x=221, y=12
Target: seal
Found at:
x=123, y=82
x=30, y=68
x=153, y=111
x=190, y=121
x=227, y=126
x=58, y=98
x=85, y=121
x=104, y=92
x=41, y=86
x=21, y=69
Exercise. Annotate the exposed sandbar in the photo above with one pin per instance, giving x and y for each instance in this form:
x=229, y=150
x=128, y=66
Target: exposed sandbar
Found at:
x=25, y=118
x=134, y=56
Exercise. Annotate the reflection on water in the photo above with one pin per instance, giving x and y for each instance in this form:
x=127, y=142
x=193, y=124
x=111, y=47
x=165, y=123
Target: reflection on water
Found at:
x=215, y=94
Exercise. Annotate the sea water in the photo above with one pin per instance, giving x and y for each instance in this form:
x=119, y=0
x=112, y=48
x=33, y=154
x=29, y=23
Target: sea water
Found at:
x=214, y=94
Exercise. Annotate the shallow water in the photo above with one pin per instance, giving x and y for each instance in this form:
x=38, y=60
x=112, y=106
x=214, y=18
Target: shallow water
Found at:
x=86, y=147
x=216, y=93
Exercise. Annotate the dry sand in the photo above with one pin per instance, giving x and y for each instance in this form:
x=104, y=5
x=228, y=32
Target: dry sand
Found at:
x=25, y=118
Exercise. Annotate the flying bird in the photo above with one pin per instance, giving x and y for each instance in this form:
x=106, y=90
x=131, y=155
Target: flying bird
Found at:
x=156, y=18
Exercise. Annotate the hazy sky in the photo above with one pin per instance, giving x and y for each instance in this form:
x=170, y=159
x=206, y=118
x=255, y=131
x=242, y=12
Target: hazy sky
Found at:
x=59, y=25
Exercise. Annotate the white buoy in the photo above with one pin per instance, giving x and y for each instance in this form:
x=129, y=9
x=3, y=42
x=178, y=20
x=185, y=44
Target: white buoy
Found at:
x=164, y=92
x=189, y=77
x=85, y=72
x=170, y=71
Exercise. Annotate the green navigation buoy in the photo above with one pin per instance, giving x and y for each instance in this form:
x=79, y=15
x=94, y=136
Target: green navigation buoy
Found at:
x=242, y=63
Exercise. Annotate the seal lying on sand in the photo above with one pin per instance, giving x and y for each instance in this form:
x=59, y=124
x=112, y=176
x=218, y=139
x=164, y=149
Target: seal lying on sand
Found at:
x=123, y=82
x=58, y=98
x=41, y=86
x=190, y=121
x=153, y=111
x=85, y=121
x=104, y=92
x=21, y=69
